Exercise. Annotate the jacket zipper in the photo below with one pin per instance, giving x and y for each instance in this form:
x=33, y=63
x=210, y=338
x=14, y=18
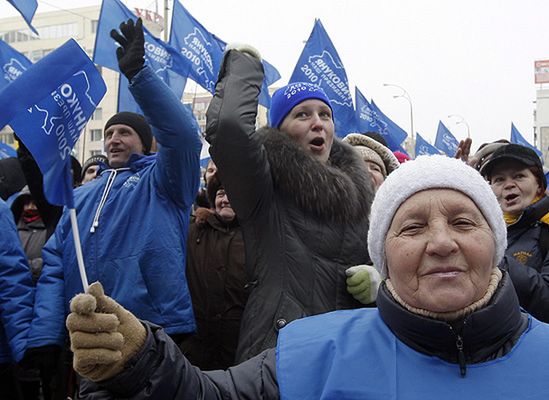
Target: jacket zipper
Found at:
x=460, y=355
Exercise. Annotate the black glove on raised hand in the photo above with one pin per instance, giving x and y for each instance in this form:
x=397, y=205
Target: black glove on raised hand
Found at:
x=131, y=53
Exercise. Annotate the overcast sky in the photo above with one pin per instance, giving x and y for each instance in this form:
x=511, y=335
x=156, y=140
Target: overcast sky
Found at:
x=474, y=58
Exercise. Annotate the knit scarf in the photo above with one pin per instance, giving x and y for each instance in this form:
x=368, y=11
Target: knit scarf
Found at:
x=452, y=315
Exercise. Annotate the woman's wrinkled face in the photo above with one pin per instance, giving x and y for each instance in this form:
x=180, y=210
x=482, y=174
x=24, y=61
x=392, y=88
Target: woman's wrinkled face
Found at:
x=515, y=186
x=310, y=124
x=439, y=251
x=376, y=174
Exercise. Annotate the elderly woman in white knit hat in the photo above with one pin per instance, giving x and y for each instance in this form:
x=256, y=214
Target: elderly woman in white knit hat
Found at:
x=448, y=323
x=379, y=159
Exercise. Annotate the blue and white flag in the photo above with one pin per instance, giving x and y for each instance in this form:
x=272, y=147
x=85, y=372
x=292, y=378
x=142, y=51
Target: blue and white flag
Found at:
x=12, y=64
x=445, y=141
x=423, y=147
x=48, y=106
x=320, y=65
x=6, y=151
x=517, y=138
x=26, y=8
x=164, y=60
x=204, y=52
x=369, y=118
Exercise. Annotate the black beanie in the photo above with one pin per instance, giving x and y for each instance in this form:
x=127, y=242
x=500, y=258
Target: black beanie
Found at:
x=138, y=123
x=94, y=160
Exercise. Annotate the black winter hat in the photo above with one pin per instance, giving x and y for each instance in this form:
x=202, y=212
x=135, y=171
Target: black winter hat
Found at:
x=138, y=123
x=516, y=152
x=94, y=160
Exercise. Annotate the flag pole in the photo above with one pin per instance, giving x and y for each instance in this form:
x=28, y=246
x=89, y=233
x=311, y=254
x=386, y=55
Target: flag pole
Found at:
x=78, y=248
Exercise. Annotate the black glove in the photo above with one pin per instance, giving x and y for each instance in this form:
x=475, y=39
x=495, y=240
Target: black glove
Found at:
x=131, y=54
x=44, y=358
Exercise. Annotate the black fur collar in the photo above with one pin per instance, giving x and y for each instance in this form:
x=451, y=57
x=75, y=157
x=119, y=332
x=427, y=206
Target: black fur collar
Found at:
x=340, y=190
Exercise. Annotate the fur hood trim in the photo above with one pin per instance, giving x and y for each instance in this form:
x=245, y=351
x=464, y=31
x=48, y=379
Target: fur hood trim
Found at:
x=340, y=190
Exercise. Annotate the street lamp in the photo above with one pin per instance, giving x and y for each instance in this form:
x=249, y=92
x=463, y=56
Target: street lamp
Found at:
x=406, y=96
x=461, y=121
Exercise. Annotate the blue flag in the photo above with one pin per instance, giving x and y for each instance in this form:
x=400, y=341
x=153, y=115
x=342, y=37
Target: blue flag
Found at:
x=423, y=147
x=48, y=106
x=164, y=60
x=320, y=65
x=517, y=138
x=445, y=141
x=26, y=8
x=6, y=151
x=12, y=64
x=204, y=52
x=369, y=118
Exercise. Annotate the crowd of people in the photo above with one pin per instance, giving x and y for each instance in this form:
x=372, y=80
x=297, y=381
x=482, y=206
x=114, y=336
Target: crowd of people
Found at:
x=308, y=266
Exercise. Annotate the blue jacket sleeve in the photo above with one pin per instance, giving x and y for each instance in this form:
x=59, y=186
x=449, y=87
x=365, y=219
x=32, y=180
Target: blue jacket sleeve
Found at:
x=48, y=323
x=16, y=291
x=178, y=160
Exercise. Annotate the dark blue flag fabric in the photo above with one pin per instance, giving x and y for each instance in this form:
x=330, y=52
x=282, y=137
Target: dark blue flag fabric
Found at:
x=320, y=65
x=204, y=52
x=445, y=141
x=517, y=138
x=48, y=107
x=6, y=151
x=13, y=64
x=423, y=147
x=26, y=8
x=165, y=61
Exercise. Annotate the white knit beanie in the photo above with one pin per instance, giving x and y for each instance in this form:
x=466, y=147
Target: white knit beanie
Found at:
x=431, y=172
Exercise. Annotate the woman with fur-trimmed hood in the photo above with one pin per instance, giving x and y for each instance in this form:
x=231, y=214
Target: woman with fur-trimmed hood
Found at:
x=302, y=198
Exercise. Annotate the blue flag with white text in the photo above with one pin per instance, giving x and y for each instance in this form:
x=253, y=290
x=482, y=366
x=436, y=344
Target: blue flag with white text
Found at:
x=48, y=107
x=517, y=138
x=445, y=141
x=12, y=64
x=26, y=8
x=423, y=147
x=204, y=52
x=320, y=65
x=6, y=151
x=164, y=60
x=369, y=118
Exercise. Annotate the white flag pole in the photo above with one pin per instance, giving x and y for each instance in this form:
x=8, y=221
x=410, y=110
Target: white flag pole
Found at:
x=78, y=248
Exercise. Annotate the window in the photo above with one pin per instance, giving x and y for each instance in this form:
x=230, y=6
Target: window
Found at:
x=95, y=152
x=96, y=135
x=97, y=114
x=94, y=25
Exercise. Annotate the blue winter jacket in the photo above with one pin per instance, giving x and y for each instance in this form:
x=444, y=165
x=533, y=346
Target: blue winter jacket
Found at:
x=137, y=247
x=16, y=291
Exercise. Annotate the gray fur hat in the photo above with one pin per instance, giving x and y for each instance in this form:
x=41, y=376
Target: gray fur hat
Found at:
x=431, y=172
x=372, y=150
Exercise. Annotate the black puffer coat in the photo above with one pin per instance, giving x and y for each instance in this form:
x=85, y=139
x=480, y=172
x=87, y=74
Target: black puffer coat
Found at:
x=304, y=222
x=528, y=258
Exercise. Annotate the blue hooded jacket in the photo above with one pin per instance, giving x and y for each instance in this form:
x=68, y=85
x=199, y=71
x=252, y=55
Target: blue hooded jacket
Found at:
x=140, y=216
x=16, y=291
